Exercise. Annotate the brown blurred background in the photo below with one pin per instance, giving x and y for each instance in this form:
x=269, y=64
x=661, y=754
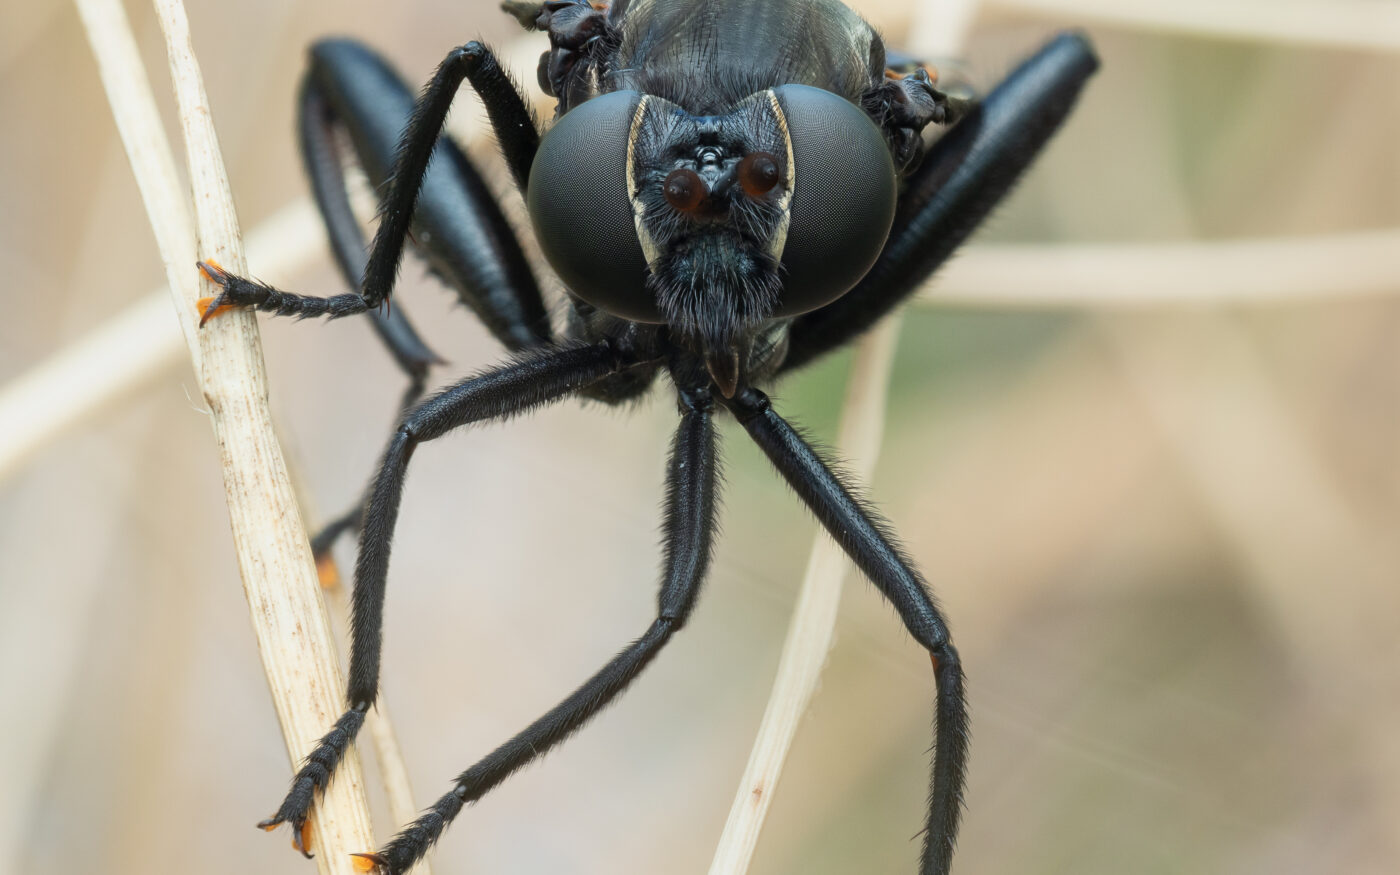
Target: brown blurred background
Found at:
x=1164, y=536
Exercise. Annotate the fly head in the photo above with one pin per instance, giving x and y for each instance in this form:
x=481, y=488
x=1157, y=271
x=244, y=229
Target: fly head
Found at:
x=714, y=225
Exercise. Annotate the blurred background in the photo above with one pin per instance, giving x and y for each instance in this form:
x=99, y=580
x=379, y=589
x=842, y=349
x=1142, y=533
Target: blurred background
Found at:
x=1164, y=534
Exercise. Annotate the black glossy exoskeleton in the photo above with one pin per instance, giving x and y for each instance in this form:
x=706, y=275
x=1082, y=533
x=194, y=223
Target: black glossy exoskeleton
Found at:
x=729, y=189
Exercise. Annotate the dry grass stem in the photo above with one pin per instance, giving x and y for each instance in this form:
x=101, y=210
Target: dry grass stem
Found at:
x=1345, y=24
x=279, y=576
x=135, y=347
x=108, y=364
x=274, y=556
x=1109, y=275
x=152, y=162
x=80, y=381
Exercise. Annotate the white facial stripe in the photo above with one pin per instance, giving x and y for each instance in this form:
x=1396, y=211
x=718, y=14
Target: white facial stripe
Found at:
x=649, y=248
x=785, y=203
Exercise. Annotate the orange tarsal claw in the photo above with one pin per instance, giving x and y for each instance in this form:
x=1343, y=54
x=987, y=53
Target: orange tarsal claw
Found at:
x=367, y=862
x=304, y=845
x=212, y=270
x=327, y=573
x=203, y=305
x=214, y=273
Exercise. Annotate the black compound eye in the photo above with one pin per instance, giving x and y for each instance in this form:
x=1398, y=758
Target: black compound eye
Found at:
x=685, y=190
x=581, y=207
x=843, y=197
x=758, y=173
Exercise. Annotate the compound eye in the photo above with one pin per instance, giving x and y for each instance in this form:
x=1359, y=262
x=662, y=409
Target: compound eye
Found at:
x=758, y=173
x=581, y=207
x=685, y=190
x=843, y=197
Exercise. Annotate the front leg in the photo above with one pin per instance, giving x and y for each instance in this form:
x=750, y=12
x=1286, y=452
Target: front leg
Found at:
x=519, y=138
x=241, y=292
x=351, y=96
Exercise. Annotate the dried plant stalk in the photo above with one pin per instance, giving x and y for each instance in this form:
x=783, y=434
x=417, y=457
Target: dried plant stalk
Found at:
x=143, y=342
x=126, y=352
x=1349, y=24
x=274, y=556
x=1117, y=275
x=279, y=576
x=134, y=347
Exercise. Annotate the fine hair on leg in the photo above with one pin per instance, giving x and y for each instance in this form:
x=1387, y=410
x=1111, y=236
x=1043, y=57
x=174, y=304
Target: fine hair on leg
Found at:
x=531, y=380
x=519, y=138
x=691, y=481
x=866, y=538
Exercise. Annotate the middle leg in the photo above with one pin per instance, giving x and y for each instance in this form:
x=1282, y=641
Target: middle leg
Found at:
x=691, y=480
x=532, y=380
